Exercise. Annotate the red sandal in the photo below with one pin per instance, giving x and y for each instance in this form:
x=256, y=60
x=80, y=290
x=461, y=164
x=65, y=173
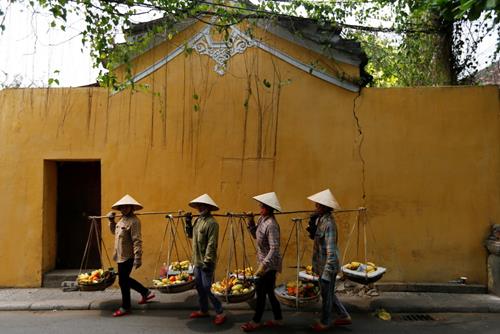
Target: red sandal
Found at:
x=146, y=298
x=274, y=323
x=342, y=321
x=120, y=312
x=219, y=319
x=198, y=314
x=319, y=327
x=250, y=326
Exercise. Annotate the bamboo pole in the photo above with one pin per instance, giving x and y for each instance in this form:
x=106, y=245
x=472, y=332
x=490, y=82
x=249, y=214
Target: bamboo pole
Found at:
x=140, y=214
x=227, y=214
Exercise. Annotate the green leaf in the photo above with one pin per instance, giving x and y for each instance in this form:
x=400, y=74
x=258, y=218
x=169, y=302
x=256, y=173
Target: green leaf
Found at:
x=266, y=83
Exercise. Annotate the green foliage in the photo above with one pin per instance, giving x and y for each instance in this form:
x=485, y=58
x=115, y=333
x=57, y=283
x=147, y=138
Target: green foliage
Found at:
x=427, y=49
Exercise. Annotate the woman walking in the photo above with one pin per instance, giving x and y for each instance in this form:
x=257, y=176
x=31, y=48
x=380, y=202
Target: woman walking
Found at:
x=128, y=251
x=267, y=233
x=325, y=260
x=205, y=234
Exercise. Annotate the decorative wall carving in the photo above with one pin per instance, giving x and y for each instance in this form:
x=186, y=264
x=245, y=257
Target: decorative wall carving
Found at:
x=221, y=52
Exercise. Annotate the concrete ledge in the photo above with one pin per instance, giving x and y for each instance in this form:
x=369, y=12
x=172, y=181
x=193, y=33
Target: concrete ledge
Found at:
x=394, y=302
x=432, y=287
x=15, y=305
x=60, y=305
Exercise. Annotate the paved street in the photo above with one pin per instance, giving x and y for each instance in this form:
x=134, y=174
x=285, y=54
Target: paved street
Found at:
x=170, y=321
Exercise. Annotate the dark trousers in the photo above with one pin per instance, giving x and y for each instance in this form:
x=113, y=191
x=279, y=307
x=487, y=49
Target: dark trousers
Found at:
x=330, y=301
x=126, y=282
x=264, y=286
x=203, y=284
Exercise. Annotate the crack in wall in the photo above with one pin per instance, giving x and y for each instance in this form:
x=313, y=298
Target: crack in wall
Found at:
x=361, y=139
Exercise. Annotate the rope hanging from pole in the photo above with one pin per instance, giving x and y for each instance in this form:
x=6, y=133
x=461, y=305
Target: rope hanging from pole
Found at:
x=94, y=234
x=160, y=251
x=297, y=226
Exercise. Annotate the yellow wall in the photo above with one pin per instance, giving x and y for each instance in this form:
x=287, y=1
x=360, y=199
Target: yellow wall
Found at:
x=49, y=228
x=431, y=160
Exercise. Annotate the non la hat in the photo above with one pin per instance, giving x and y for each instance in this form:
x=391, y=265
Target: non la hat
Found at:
x=127, y=200
x=325, y=198
x=204, y=199
x=269, y=199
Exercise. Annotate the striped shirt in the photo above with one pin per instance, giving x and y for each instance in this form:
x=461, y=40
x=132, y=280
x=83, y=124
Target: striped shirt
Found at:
x=267, y=233
x=325, y=258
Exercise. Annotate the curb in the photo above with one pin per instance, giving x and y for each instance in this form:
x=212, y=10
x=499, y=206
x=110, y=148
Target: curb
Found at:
x=77, y=305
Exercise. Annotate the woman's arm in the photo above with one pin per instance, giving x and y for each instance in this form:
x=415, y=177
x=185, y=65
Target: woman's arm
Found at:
x=273, y=238
x=331, y=256
x=212, y=237
x=135, y=233
x=112, y=223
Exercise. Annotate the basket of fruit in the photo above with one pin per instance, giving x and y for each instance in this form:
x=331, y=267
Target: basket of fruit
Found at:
x=175, y=283
x=97, y=280
x=308, y=293
x=243, y=274
x=308, y=275
x=177, y=267
x=233, y=290
x=363, y=273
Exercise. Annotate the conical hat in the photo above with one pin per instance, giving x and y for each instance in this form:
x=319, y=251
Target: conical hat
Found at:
x=325, y=198
x=127, y=200
x=269, y=199
x=204, y=199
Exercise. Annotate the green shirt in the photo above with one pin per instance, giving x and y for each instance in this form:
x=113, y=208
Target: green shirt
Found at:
x=205, y=239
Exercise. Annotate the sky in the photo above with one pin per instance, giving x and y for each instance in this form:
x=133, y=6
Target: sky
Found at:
x=31, y=52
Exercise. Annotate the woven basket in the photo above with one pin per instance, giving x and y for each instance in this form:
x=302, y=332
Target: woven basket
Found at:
x=285, y=299
x=101, y=286
x=363, y=278
x=235, y=298
x=176, y=288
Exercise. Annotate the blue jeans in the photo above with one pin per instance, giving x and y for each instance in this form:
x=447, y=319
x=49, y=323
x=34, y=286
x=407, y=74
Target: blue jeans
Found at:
x=203, y=283
x=329, y=301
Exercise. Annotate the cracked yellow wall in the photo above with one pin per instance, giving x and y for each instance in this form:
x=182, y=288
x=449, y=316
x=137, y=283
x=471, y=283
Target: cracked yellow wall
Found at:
x=430, y=174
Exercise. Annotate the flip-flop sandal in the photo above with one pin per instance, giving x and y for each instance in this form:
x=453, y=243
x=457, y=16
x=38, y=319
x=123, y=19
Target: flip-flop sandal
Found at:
x=120, y=312
x=319, y=328
x=273, y=324
x=145, y=300
x=250, y=327
x=198, y=314
x=219, y=319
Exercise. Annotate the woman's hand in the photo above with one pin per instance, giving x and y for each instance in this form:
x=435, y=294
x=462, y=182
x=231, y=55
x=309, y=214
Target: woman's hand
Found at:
x=137, y=263
x=260, y=271
x=111, y=216
x=250, y=220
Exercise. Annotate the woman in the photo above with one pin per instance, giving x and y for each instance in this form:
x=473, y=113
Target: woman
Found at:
x=205, y=234
x=267, y=233
x=325, y=259
x=128, y=251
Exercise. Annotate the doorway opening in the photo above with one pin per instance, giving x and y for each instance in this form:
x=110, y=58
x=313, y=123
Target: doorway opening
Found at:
x=78, y=196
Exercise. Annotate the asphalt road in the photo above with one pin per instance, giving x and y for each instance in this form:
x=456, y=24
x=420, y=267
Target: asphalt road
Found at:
x=161, y=321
